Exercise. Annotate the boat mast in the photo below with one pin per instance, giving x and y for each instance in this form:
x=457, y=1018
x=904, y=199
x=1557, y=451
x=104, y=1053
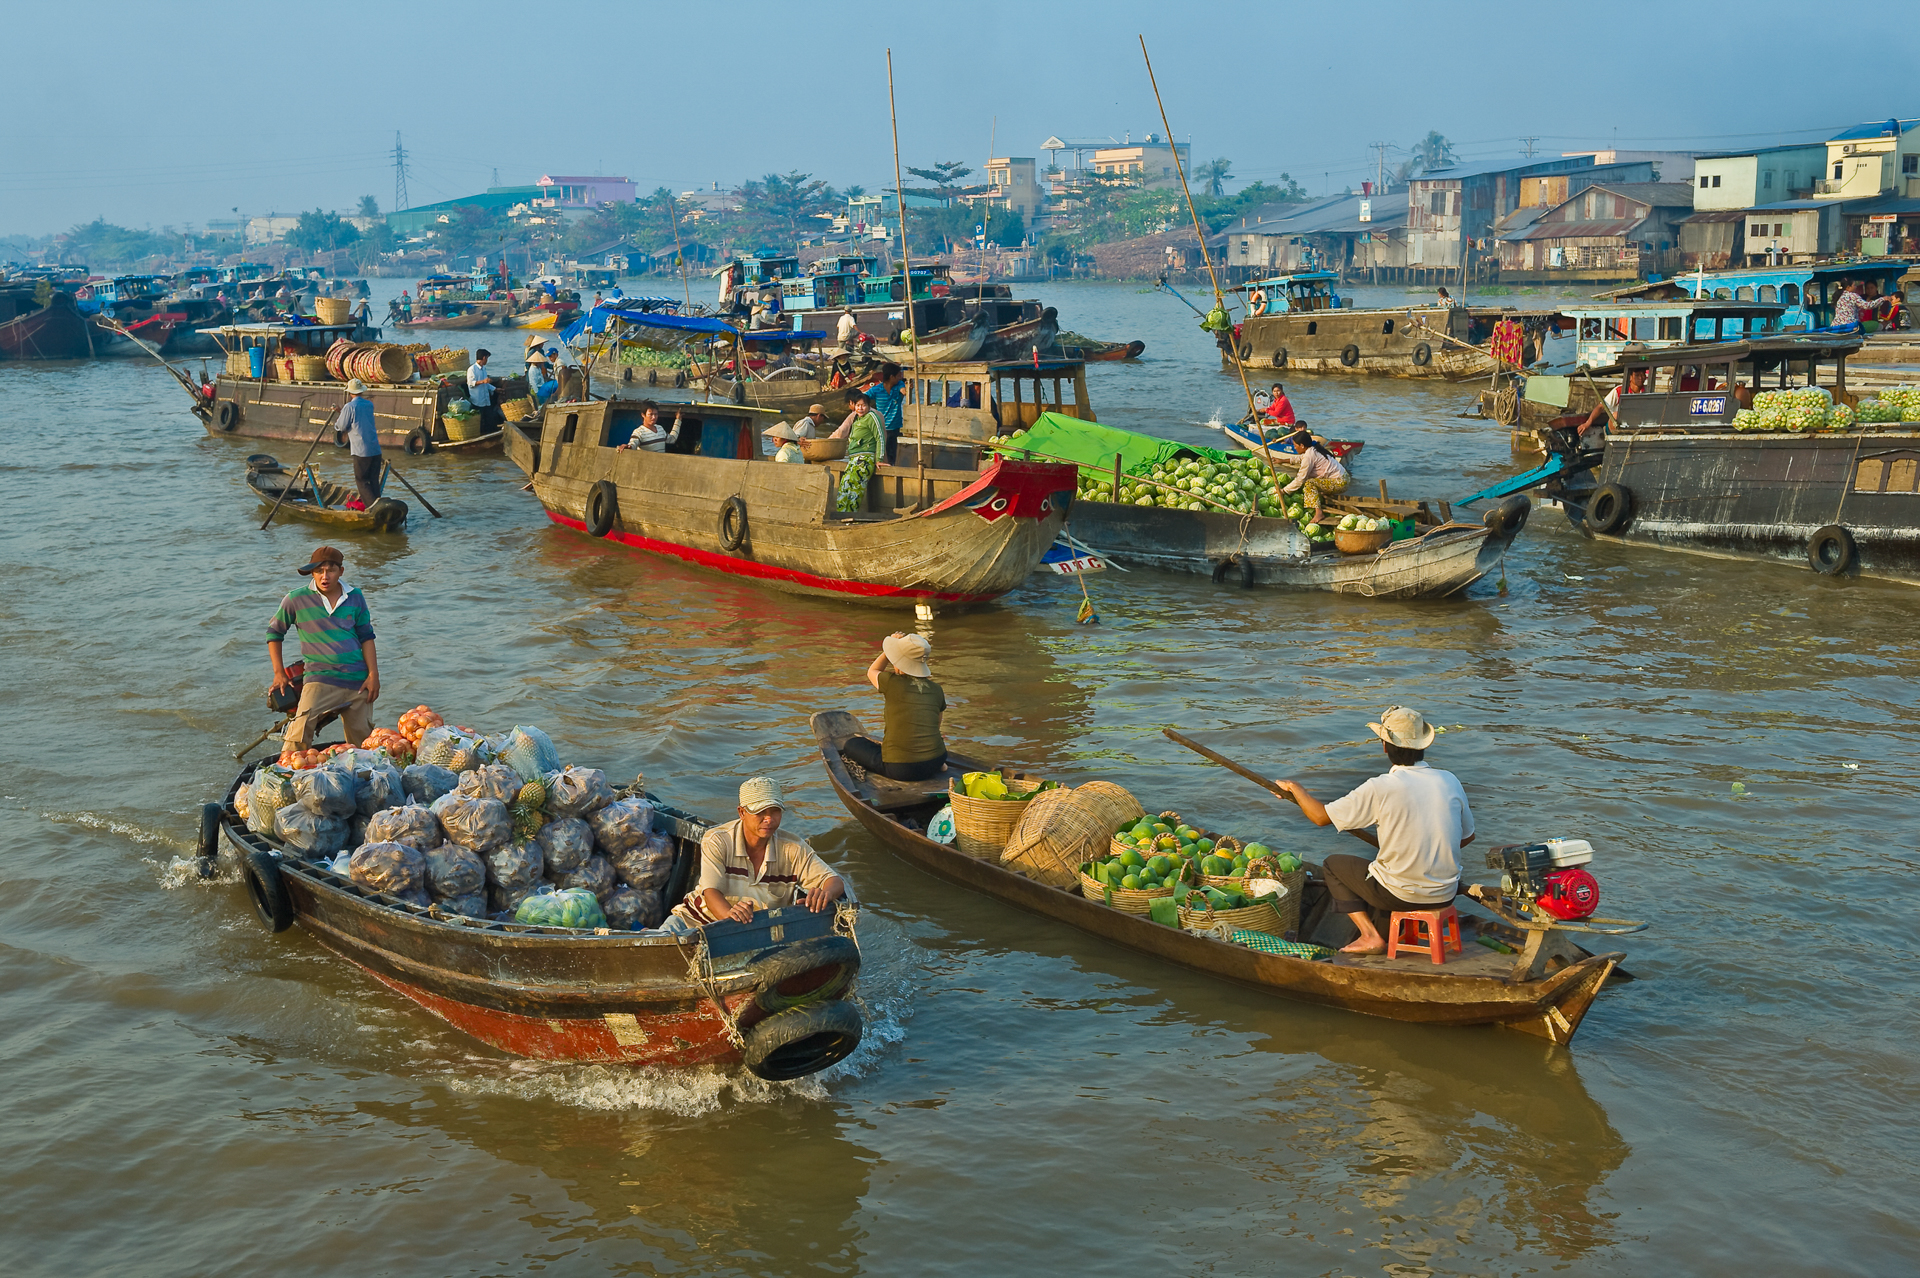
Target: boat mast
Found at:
x=906, y=259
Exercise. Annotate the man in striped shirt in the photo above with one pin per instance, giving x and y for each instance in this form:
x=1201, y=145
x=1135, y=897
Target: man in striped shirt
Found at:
x=336, y=643
x=751, y=864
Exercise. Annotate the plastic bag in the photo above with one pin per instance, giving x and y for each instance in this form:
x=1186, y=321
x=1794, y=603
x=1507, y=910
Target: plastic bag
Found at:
x=504, y=901
x=473, y=905
x=389, y=867
x=517, y=865
x=571, y=907
x=325, y=792
x=530, y=752
x=304, y=832
x=646, y=866
x=377, y=787
x=596, y=876
x=480, y=824
x=566, y=844
x=489, y=781
x=270, y=790
x=425, y=782
x=622, y=826
x=410, y=824
x=454, y=871
x=630, y=909
x=450, y=748
x=577, y=792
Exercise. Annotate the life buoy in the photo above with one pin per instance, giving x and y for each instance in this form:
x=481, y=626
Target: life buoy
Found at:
x=1349, y=355
x=1830, y=550
x=603, y=507
x=418, y=441
x=810, y=971
x=268, y=892
x=1422, y=355
x=733, y=523
x=1256, y=303
x=227, y=416
x=1610, y=508
x=803, y=1040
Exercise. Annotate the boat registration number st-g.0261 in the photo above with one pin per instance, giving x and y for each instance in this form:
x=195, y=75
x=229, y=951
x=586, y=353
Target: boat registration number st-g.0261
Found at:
x=1707, y=405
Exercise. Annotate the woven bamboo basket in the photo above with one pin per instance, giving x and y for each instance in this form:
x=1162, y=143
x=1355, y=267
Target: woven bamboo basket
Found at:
x=1063, y=828
x=337, y=359
x=461, y=429
x=1349, y=542
x=1225, y=880
x=309, y=368
x=981, y=827
x=1288, y=907
x=1127, y=900
x=1115, y=846
x=332, y=310
x=517, y=410
x=1202, y=917
x=238, y=364
x=451, y=360
x=823, y=450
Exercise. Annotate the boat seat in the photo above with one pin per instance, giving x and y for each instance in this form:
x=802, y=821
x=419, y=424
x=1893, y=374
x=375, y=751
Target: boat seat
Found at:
x=891, y=796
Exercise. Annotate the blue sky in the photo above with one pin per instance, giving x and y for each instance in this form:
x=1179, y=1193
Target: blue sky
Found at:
x=168, y=115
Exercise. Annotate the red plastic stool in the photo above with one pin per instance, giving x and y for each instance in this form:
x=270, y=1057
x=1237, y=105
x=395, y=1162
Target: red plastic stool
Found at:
x=1434, y=931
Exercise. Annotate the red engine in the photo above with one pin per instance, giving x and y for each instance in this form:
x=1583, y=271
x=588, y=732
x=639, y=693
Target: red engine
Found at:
x=1569, y=893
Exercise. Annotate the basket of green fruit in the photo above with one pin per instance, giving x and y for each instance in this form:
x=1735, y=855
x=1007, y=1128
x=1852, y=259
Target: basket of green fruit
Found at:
x=1359, y=535
x=1207, y=909
x=1232, y=874
x=1163, y=833
x=1132, y=882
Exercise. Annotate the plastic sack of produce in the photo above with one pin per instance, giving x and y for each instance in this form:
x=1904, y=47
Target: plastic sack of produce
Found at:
x=646, y=866
x=577, y=792
x=529, y=752
x=454, y=871
x=409, y=823
x=304, y=832
x=504, y=901
x=480, y=824
x=376, y=787
x=270, y=790
x=566, y=844
x=570, y=907
x=425, y=782
x=448, y=747
x=596, y=876
x=325, y=792
x=517, y=865
x=630, y=909
x=473, y=905
x=489, y=781
x=388, y=867
x=622, y=826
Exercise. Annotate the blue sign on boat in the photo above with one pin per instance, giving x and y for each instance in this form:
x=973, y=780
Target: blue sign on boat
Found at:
x=1707, y=405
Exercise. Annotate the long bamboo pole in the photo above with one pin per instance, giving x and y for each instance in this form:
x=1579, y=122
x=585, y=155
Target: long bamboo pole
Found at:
x=906, y=259
x=673, y=209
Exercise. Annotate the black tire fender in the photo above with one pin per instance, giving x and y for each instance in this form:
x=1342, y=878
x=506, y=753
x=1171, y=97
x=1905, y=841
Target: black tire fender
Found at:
x=1279, y=359
x=810, y=971
x=680, y=377
x=268, y=891
x=626, y=374
x=803, y=1040
x=653, y=377
x=1830, y=550
x=1422, y=355
x=739, y=392
x=733, y=523
x=1510, y=516
x=418, y=441
x=1610, y=509
x=227, y=415
x=603, y=508
x=207, y=846
x=1349, y=355
x=1246, y=351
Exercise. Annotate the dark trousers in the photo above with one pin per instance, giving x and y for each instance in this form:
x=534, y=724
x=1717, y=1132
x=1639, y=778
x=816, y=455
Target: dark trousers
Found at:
x=1353, y=891
x=366, y=477
x=893, y=445
x=867, y=754
x=490, y=416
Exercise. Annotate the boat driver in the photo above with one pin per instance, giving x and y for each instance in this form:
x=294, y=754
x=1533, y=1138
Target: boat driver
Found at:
x=1420, y=821
x=750, y=864
x=336, y=644
x=1609, y=409
x=648, y=436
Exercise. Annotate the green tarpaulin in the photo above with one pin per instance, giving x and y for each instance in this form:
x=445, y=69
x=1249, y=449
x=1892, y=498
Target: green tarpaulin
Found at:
x=1060, y=438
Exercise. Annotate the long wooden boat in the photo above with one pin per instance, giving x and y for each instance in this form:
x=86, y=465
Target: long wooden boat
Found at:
x=560, y=994
x=464, y=320
x=31, y=329
x=1021, y=338
x=713, y=499
x=1478, y=987
x=954, y=344
x=1308, y=328
x=1099, y=352
x=302, y=494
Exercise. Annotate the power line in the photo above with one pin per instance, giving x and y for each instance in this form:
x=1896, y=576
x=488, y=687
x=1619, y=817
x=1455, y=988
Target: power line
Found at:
x=1528, y=142
x=399, y=173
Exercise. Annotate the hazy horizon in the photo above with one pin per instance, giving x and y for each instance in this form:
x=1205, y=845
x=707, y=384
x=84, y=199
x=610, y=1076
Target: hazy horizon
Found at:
x=158, y=120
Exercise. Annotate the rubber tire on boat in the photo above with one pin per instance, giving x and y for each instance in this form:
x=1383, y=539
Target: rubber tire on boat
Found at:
x=207, y=849
x=739, y=392
x=802, y=1041
x=1246, y=351
x=603, y=508
x=733, y=523
x=1422, y=355
x=227, y=416
x=1280, y=358
x=1510, y=516
x=680, y=377
x=1349, y=355
x=626, y=374
x=1830, y=550
x=418, y=441
x=268, y=891
x=830, y=961
x=1610, y=509
x=653, y=377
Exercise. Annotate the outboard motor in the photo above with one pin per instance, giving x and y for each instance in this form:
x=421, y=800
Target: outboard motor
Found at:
x=1550, y=875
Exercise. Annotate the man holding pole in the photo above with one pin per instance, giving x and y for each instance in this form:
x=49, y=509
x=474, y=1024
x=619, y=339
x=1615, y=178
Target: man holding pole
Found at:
x=355, y=422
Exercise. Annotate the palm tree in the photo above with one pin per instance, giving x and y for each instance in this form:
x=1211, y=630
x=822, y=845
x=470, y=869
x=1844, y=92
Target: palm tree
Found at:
x=1433, y=151
x=1214, y=175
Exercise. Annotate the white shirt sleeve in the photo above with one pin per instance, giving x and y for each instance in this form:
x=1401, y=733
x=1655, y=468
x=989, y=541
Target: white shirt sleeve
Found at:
x=1357, y=809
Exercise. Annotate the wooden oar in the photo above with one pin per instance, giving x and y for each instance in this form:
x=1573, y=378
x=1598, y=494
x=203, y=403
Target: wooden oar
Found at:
x=415, y=491
x=297, y=469
x=1229, y=764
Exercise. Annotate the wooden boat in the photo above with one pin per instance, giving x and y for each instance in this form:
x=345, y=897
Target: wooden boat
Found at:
x=460, y=320
x=1098, y=352
x=1307, y=328
x=559, y=994
x=1259, y=441
x=1021, y=338
x=954, y=344
x=302, y=494
x=1478, y=987
x=31, y=328
x=713, y=499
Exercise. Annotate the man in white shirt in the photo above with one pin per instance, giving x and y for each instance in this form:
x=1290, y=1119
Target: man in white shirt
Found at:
x=752, y=864
x=848, y=326
x=814, y=425
x=647, y=436
x=480, y=390
x=1421, y=821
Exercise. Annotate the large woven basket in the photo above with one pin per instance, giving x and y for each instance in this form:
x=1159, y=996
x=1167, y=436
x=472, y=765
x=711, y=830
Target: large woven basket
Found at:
x=1261, y=916
x=1349, y=542
x=981, y=827
x=309, y=368
x=1288, y=907
x=461, y=429
x=238, y=365
x=1064, y=828
x=823, y=450
x=1128, y=900
x=332, y=310
x=517, y=410
x=1116, y=845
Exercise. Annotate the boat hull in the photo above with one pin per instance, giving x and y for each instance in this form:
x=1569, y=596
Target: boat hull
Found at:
x=1379, y=343
x=56, y=331
x=1019, y=340
x=297, y=411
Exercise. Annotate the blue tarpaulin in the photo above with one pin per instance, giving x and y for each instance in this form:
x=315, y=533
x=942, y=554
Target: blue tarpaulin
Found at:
x=596, y=319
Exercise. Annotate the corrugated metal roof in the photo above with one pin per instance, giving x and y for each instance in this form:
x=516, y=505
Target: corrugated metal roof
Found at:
x=1761, y=150
x=1657, y=194
x=1580, y=230
x=1523, y=167
x=1718, y=215
x=1861, y=132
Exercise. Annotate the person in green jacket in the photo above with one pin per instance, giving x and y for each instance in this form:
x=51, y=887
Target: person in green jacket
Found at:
x=862, y=432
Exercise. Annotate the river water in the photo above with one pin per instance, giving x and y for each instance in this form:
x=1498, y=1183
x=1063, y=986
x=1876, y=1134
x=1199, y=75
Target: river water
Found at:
x=188, y=1095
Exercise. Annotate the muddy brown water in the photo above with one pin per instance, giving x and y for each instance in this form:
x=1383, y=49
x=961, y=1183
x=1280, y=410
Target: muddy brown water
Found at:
x=188, y=1095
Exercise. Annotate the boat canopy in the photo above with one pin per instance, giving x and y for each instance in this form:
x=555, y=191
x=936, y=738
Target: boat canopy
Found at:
x=1057, y=437
x=595, y=321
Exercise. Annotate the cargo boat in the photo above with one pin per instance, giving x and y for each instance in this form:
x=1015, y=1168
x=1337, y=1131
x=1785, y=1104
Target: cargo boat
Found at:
x=1298, y=323
x=39, y=322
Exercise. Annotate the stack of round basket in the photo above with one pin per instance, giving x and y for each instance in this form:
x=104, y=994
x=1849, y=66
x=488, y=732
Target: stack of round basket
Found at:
x=369, y=361
x=309, y=368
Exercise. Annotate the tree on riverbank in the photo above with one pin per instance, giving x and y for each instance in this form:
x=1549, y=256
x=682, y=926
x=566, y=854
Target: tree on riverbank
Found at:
x=101, y=244
x=319, y=232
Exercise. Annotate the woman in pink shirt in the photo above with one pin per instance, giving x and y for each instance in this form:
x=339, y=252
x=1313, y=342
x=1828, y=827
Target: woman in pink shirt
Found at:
x=1320, y=474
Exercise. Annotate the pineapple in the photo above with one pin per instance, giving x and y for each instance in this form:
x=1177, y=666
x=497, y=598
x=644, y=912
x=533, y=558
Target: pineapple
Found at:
x=532, y=795
x=526, y=822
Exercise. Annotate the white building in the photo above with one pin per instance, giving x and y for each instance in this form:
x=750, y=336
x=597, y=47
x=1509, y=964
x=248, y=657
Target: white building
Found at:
x=1873, y=159
x=1742, y=179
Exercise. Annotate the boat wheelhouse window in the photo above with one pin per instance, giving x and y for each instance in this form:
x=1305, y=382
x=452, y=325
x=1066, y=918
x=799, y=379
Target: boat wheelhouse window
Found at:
x=1617, y=330
x=1790, y=294
x=1744, y=293
x=1768, y=292
x=1645, y=328
x=1313, y=326
x=1669, y=328
x=567, y=431
x=1723, y=294
x=1589, y=330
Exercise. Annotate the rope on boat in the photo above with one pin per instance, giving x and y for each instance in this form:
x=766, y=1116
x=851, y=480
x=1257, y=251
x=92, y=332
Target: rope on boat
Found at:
x=700, y=972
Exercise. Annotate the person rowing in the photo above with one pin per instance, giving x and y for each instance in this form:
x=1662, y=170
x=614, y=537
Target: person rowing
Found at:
x=1420, y=821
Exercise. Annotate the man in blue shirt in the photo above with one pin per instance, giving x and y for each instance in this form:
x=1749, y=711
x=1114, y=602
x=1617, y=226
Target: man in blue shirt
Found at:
x=888, y=398
x=355, y=422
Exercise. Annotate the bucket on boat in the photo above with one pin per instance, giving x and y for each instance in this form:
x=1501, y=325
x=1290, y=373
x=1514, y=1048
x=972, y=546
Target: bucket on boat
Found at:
x=256, y=361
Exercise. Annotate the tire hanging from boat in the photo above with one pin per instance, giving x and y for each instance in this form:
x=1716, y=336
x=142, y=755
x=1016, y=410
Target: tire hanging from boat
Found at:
x=1422, y=355
x=418, y=441
x=1610, y=509
x=1830, y=550
x=207, y=849
x=268, y=891
x=803, y=1040
x=1349, y=355
x=810, y=971
x=733, y=523
x=227, y=416
x=603, y=508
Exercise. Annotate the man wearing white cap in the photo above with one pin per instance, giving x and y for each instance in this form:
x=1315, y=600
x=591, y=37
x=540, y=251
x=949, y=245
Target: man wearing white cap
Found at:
x=911, y=748
x=1421, y=821
x=751, y=863
x=355, y=422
